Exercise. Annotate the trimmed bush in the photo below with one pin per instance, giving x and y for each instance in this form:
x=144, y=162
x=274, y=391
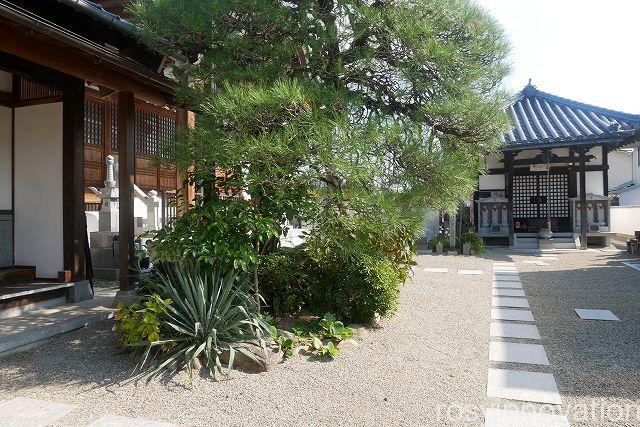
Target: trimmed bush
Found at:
x=354, y=289
x=475, y=242
x=284, y=279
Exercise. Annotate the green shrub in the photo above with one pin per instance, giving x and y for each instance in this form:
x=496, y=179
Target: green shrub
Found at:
x=356, y=289
x=475, y=242
x=284, y=279
x=353, y=289
x=440, y=238
x=139, y=323
x=204, y=312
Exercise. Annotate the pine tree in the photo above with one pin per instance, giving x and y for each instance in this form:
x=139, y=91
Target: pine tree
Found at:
x=359, y=115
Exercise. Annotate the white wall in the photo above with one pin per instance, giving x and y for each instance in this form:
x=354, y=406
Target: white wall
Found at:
x=491, y=182
x=38, y=188
x=625, y=219
x=620, y=168
x=5, y=158
x=593, y=181
x=630, y=198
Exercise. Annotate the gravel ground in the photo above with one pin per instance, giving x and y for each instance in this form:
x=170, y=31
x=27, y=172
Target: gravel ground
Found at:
x=596, y=363
x=417, y=370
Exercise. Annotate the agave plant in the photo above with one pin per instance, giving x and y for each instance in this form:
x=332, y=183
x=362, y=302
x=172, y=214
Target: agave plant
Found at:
x=208, y=312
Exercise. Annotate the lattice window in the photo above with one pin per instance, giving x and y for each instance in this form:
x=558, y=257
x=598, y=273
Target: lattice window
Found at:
x=93, y=121
x=29, y=91
x=166, y=133
x=114, y=125
x=146, y=134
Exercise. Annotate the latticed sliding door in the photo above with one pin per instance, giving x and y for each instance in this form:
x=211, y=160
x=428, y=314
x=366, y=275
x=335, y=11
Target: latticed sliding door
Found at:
x=534, y=195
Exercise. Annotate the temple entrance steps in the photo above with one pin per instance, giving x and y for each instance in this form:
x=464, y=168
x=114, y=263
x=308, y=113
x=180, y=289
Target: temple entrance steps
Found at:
x=22, y=332
x=526, y=242
x=17, y=274
x=564, y=243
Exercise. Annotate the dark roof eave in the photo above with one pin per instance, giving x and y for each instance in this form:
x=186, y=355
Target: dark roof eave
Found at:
x=40, y=25
x=564, y=144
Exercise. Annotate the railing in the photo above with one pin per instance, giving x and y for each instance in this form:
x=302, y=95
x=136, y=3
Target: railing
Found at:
x=92, y=206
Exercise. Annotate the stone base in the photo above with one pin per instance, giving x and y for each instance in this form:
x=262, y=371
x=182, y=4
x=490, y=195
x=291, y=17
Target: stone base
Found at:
x=80, y=291
x=546, y=244
x=126, y=298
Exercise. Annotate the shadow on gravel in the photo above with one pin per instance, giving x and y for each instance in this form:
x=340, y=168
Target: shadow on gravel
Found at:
x=590, y=358
x=87, y=357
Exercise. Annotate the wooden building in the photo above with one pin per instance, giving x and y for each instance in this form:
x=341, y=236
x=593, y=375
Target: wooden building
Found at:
x=75, y=85
x=553, y=167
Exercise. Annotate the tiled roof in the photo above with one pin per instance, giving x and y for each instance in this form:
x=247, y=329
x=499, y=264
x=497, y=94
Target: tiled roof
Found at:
x=541, y=118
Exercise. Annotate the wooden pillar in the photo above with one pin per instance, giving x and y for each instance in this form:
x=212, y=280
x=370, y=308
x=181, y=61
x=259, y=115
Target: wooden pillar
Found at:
x=605, y=170
x=583, y=199
x=508, y=186
x=185, y=120
x=126, y=179
x=74, y=221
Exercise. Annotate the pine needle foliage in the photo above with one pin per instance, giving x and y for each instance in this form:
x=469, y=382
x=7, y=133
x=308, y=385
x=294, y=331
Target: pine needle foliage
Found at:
x=359, y=115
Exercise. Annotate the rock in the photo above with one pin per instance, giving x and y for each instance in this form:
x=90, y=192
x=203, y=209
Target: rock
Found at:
x=359, y=331
x=196, y=364
x=286, y=334
x=267, y=359
x=348, y=344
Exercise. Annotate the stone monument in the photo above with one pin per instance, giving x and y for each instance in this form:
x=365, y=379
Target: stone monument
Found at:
x=104, y=242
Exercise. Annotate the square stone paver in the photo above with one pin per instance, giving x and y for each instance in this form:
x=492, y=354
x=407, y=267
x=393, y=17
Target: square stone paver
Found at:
x=523, y=385
x=514, y=330
x=505, y=284
x=509, y=302
x=634, y=265
x=22, y=411
x=510, y=314
x=511, y=418
x=512, y=352
x=506, y=292
x=436, y=270
x=119, y=421
x=470, y=272
x=590, y=314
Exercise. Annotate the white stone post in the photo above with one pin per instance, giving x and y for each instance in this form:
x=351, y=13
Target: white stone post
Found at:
x=153, y=210
x=504, y=216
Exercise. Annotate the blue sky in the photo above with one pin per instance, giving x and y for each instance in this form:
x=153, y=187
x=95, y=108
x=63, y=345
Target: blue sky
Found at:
x=585, y=50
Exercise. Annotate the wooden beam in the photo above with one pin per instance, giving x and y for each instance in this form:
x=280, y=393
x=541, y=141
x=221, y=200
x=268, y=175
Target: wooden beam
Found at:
x=605, y=170
x=35, y=47
x=583, y=199
x=185, y=120
x=74, y=221
x=126, y=178
x=508, y=186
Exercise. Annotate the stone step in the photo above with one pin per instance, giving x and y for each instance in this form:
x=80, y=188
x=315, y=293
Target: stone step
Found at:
x=45, y=323
x=18, y=273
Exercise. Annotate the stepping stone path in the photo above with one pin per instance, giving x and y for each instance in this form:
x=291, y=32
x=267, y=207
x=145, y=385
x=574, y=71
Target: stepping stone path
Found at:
x=512, y=352
x=22, y=411
x=508, y=418
x=470, y=272
x=511, y=319
x=589, y=314
x=436, y=270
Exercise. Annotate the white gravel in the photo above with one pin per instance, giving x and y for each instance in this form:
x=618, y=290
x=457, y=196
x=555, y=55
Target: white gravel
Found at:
x=427, y=363
x=596, y=363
